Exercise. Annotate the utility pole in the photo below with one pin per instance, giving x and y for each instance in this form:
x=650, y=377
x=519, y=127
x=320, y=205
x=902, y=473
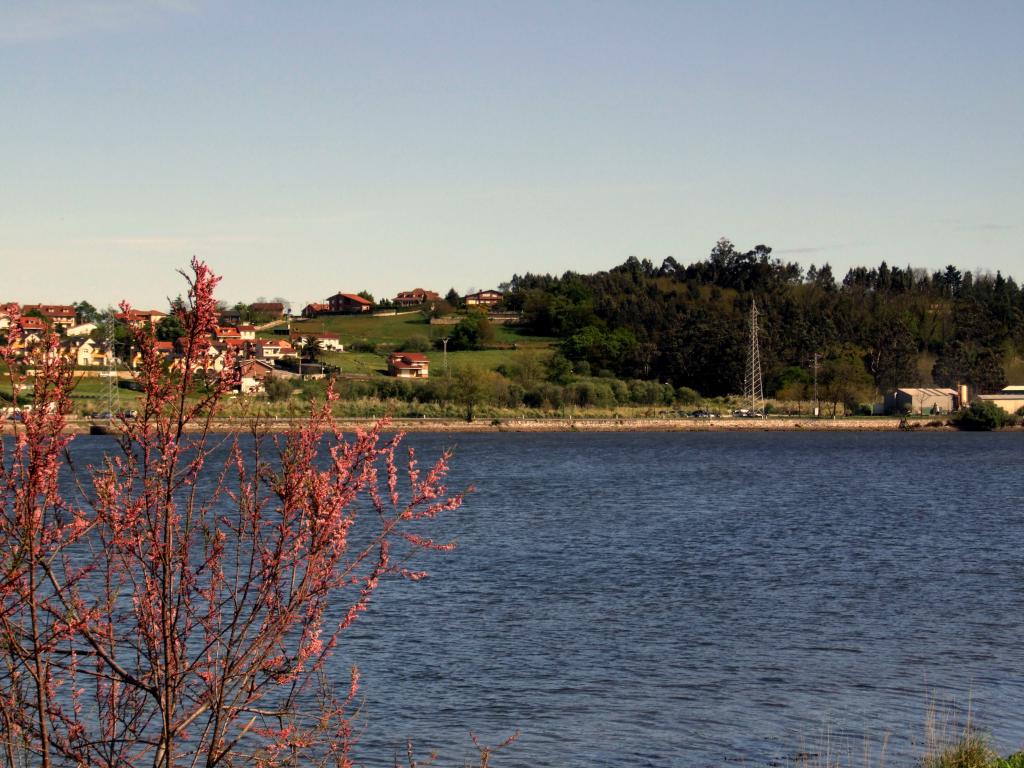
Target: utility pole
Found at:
x=816, y=408
x=445, y=342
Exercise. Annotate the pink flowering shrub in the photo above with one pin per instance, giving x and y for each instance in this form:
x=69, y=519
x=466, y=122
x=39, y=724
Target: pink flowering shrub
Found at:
x=179, y=609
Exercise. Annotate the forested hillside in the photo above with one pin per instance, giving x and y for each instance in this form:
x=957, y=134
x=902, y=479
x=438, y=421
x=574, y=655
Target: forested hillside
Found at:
x=878, y=327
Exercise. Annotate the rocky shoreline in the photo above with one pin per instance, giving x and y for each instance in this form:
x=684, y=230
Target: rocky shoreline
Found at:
x=780, y=424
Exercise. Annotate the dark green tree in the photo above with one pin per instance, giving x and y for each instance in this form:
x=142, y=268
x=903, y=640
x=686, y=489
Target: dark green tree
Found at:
x=892, y=356
x=474, y=331
x=85, y=312
x=277, y=389
x=453, y=298
x=169, y=329
x=312, y=349
x=558, y=369
x=469, y=388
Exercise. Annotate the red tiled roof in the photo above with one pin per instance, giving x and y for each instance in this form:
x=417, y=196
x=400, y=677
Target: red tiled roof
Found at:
x=140, y=314
x=354, y=297
x=252, y=362
x=51, y=310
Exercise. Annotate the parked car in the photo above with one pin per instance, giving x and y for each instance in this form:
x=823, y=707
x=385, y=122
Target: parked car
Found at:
x=702, y=414
x=746, y=413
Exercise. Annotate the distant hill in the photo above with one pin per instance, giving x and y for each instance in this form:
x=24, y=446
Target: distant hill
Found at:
x=876, y=327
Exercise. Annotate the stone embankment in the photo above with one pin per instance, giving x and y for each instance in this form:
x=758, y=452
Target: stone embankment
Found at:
x=782, y=424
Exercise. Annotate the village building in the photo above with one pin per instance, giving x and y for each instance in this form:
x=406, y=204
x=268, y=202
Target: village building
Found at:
x=89, y=354
x=271, y=351
x=236, y=345
x=348, y=304
x=272, y=309
x=329, y=342
x=82, y=329
x=138, y=317
x=165, y=350
x=315, y=310
x=247, y=332
x=483, y=298
x=1010, y=399
x=415, y=297
x=922, y=400
x=223, y=333
x=408, y=365
x=33, y=325
x=252, y=374
x=60, y=316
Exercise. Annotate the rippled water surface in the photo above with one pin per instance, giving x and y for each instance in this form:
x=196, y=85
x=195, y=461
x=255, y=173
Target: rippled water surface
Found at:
x=692, y=599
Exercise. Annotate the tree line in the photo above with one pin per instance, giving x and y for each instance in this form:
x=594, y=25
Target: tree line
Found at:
x=878, y=327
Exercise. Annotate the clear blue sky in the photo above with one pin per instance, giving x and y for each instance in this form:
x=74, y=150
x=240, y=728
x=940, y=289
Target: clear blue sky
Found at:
x=308, y=147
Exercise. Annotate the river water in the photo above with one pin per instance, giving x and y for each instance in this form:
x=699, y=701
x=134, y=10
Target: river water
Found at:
x=695, y=599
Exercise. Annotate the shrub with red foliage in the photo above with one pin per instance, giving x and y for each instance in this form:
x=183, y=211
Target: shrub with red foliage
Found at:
x=184, y=611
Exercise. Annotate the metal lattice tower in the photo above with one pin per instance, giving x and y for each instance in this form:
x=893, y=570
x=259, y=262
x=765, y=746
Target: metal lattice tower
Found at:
x=753, y=389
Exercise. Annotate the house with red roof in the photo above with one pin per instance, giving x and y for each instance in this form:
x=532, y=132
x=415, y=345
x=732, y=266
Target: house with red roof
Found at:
x=223, y=333
x=348, y=304
x=59, y=315
x=315, y=310
x=252, y=374
x=138, y=317
x=484, y=298
x=33, y=324
x=408, y=365
x=272, y=309
x=415, y=297
x=271, y=351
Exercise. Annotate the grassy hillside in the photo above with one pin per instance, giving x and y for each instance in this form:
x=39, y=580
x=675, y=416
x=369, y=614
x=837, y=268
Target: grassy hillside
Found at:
x=392, y=332
x=385, y=329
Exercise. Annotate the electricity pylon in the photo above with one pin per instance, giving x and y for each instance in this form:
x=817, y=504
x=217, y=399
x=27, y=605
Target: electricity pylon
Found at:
x=753, y=389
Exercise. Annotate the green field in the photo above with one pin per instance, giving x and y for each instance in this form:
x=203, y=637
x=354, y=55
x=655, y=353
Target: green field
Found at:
x=386, y=329
x=392, y=332
x=91, y=393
